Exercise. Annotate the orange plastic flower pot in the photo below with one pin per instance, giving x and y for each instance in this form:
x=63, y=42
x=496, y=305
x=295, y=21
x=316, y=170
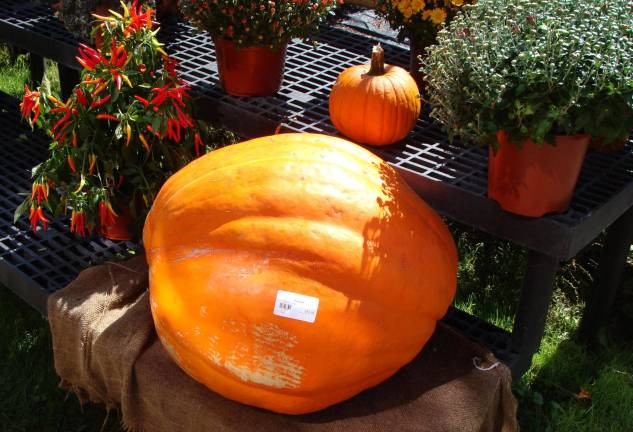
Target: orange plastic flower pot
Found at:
x=121, y=229
x=249, y=71
x=535, y=179
x=616, y=147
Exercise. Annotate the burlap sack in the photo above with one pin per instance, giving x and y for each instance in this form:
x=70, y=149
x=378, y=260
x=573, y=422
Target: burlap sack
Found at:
x=107, y=351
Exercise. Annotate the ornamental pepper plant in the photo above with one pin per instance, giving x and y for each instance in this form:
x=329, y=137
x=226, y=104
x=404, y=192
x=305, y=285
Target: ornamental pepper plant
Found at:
x=124, y=130
x=419, y=20
x=269, y=23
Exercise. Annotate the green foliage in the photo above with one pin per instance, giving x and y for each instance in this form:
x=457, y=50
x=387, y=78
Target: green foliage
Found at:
x=13, y=74
x=534, y=68
x=248, y=23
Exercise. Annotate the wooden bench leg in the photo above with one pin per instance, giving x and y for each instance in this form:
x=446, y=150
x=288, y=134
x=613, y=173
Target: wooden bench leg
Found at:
x=36, y=67
x=68, y=78
x=536, y=296
x=603, y=293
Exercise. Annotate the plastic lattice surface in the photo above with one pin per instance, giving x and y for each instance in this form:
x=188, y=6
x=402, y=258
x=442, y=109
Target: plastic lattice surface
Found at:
x=302, y=105
x=37, y=18
x=53, y=258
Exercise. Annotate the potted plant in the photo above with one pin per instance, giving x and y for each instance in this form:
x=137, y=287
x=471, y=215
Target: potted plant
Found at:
x=250, y=37
x=419, y=21
x=534, y=80
x=125, y=129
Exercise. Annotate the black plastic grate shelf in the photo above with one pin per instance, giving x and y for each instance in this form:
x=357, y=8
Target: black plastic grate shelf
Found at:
x=43, y=262
x=426, y=155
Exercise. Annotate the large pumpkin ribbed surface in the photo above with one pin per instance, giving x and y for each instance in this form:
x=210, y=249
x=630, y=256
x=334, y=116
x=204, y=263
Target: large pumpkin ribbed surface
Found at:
x=307, y=214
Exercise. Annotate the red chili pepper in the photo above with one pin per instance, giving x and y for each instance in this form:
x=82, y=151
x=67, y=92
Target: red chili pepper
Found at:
x=81, y=97
x=106, y=214
x=78, y=223
x=36, y=215
x=61, y=121
x=61, y=109
x=198, y=142
x=160, y=98
x=107, y=117
x=74, y=142
x=121, y=180
x=39, y=191
x=117, y=79
x=98, y=103
x=114, y=52
x=142, y=100
x=123, y=56
x=71, y=163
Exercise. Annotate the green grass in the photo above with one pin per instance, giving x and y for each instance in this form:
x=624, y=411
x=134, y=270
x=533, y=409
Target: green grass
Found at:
x=31, y=400
x=490, y=275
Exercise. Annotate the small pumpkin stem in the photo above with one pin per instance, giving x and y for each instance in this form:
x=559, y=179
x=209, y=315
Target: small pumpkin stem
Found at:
x=377, y=61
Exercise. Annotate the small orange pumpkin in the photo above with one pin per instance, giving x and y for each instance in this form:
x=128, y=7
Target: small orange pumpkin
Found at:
x=292, y=272
x=377, y=104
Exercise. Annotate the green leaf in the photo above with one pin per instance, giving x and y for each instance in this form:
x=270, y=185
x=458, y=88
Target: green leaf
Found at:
x=22, y=209
x=156, y=124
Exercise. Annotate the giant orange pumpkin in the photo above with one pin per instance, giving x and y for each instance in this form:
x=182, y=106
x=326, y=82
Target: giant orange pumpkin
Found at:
x=375, y=104
x=291, y=272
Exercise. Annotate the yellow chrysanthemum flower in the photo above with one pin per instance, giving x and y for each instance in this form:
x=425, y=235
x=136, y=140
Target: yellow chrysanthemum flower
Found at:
x=457, y=3
x=407, y=12
x=417, y=5
x=438, y=16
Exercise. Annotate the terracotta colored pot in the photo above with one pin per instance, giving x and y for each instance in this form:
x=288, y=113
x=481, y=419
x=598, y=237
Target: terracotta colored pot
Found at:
x=121, y=229
x=616, y=147
x=249, y=71
x=535, y=180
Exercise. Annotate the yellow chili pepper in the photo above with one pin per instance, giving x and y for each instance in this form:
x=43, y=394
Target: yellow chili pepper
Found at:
x=100, y=88
x=127, y=80
x=92, y=162
x=81, y=184
x=55, y=100
x=142, y=138
x=128, y=132
x=126, y=11
x=103, y=18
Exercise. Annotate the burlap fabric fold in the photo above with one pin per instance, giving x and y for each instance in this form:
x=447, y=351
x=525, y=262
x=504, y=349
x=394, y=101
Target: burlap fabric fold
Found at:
x=107, y=351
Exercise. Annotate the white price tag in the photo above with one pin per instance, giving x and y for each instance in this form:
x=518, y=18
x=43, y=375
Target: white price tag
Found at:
x=296, y=306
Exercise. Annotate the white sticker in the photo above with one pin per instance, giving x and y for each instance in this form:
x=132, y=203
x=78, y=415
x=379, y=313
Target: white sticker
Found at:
x=296, y=306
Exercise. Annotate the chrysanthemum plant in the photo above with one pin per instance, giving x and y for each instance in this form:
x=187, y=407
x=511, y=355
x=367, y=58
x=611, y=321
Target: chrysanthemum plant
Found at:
x=269, y=23
x=534, y=69
x=419, y=20
x=124, y=130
